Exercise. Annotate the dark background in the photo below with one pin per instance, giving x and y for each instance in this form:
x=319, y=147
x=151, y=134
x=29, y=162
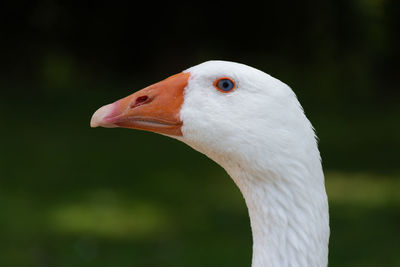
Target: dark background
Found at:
x=75, y=196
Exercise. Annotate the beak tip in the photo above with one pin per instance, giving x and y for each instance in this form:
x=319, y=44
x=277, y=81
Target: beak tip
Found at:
x=93, y=124
x=98, y=117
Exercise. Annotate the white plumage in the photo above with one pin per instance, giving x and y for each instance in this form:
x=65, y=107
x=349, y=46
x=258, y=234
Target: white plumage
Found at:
x=259, y=134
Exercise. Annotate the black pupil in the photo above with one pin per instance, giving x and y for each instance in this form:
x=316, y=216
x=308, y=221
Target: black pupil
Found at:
x=225, y=85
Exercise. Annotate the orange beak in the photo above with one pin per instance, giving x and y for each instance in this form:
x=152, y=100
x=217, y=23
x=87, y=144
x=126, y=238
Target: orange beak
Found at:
x=155, y=108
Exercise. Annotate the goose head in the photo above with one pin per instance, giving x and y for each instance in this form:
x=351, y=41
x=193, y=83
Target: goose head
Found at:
x=222, y=109
x=254, y=127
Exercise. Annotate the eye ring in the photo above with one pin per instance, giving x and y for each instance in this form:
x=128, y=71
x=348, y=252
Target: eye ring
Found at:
x=224, y=84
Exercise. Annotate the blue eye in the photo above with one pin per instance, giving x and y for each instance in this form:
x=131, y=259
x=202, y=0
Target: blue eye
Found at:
x=224, y=84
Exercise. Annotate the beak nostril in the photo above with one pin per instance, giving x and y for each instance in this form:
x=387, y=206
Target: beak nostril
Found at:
x=140, y=101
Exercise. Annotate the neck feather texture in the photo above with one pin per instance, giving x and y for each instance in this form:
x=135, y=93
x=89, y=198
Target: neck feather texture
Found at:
x=288, y=213
x=286, y=198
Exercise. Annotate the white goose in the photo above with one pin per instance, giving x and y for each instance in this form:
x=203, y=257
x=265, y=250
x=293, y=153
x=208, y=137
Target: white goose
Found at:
x=254, y=127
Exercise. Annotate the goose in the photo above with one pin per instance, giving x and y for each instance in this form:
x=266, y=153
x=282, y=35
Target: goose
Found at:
x=254, y=127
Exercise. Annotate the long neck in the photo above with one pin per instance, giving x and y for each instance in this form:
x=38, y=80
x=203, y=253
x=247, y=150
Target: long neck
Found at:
x=279, y=173
x=288, y=214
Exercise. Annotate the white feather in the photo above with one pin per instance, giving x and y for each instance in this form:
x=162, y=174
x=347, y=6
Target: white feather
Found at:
x=259, y=134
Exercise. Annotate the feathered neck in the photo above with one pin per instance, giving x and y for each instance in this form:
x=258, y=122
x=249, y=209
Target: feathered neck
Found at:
x=288, y=215
x=286, y=198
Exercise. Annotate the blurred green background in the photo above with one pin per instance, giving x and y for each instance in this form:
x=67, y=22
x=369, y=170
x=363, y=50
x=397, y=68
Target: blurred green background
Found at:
x=75, y=196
